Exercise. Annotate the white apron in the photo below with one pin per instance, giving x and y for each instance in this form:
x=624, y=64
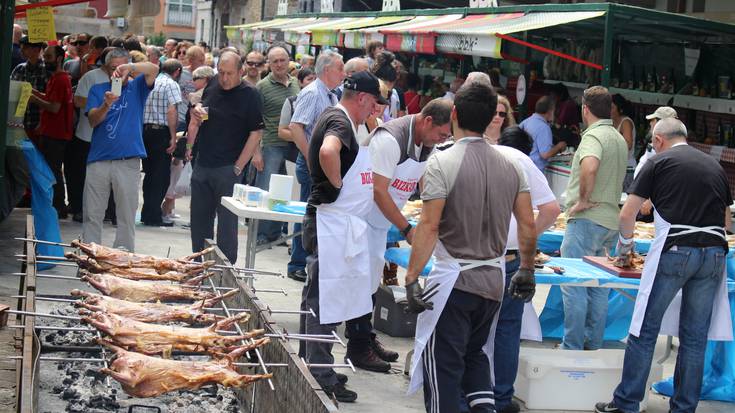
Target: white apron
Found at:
x=344, y=261
x=721, y=325
x=530, y=324
x=446, y=270
x=405, y=180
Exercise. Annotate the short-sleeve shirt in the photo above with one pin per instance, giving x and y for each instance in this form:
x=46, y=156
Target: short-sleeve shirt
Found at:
x=286, y=112
x=165, y=93
x=687, y=187
x=478, y=208
x=541, y=193
x=543, y=140
x=274, y=93
x=89, y=79
x=233, y=115
x=120, y=134
x=310, y=104
x=334, y=121
x=58, y=125
x=603, y=142
x=37, y=76
x=186, y=82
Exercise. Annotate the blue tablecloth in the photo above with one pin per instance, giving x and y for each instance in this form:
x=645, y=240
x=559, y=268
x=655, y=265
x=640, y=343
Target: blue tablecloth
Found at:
x=550, y=242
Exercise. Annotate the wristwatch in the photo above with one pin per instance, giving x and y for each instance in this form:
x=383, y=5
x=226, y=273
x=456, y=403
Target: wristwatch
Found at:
x=406, y=230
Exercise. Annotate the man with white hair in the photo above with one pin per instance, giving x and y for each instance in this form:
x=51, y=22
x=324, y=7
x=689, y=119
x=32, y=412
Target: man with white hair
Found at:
x=310, y=103
x=16, y=57
x=692, y=198
x=662, y=112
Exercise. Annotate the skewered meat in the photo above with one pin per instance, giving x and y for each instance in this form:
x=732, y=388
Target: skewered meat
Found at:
x=152, y=312
x=635, y=262
x=109, y=258
x=156, y=339
x=541, y=258
x=146, y=376
x=133, y=273
x=141, y=291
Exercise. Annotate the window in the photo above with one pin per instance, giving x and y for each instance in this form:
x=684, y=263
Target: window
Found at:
x=179, y=12
x=698, y=6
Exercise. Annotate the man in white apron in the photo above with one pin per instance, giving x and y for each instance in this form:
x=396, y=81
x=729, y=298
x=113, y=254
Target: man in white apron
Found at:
x=335, y=225
x=398, y=151
x=683, y=288
x=469, y=193
x=509, y=332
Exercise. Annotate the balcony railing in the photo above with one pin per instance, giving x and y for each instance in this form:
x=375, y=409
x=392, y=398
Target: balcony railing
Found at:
x=180, y=15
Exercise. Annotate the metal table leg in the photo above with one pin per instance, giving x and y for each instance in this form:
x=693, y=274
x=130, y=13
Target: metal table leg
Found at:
x=251, y=247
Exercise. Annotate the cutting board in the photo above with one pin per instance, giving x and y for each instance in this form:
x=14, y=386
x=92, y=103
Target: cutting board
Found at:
x=605, y=264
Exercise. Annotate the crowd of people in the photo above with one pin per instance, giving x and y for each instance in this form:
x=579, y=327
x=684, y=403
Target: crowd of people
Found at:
x=364, y=141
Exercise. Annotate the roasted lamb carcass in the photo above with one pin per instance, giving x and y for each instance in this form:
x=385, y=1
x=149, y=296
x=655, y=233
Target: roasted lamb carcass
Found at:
x=133, y=273
x=110, y=258
x=146, y=376
x=152, y=312
x=154, y=339
x=141, y=291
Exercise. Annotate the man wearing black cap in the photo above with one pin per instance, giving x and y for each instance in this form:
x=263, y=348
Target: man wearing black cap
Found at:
x=33, y=71
x=335, y=225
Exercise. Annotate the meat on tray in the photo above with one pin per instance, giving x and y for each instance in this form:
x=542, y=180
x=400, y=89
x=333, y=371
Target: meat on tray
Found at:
x=146, y=376
x=107, y=258
x=152, y=312
x=142, y=291
x=156, y=339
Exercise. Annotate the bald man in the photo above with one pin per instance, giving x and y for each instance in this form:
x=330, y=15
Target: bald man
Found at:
x=227, y=141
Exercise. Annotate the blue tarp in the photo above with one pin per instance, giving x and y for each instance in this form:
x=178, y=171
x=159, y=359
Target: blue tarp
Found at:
x=45, y=217
x=297, y=209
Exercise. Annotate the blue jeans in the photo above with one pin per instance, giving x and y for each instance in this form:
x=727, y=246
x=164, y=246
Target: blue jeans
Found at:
x=507, y=341
x=585, y=309
x=698, y=273
x=298, y=255
x=274, y=162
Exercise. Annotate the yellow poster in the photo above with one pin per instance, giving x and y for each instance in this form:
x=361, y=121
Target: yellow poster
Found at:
x=41, y=24
x=25, y=94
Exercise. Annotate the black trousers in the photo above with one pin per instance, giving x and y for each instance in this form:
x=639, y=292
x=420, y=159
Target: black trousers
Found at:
x=53, y=151
x=157, y=169
x=208, y=186
x=75, y=171
x=359, y=331
x=453, y=360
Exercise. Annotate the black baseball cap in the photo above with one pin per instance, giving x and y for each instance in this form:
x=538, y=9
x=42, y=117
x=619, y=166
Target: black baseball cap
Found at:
x=27, y=41
x=365, y=82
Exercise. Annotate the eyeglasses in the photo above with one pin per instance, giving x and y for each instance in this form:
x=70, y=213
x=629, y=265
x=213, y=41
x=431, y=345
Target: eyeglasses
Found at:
x=502, y=114
x=255, y=64
x=79, y=43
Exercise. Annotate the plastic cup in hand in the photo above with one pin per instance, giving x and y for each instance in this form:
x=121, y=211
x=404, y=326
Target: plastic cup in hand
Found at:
x=205, y=115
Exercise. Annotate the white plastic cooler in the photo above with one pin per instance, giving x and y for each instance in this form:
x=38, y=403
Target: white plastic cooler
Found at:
x=555, y=379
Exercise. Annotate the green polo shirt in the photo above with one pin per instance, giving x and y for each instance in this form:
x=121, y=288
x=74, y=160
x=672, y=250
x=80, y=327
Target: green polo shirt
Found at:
x=274, y=93
x=602, y=141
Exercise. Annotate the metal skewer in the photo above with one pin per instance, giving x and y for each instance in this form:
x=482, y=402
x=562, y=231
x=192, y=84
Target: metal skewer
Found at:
x=58, y=277
x=38, y=241
x=47, y=315
x=62, y=264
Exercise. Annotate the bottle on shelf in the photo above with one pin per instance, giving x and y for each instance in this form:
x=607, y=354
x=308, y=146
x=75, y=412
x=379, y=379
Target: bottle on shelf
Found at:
x=672, y=82
x=720, y=133
x=643, y=79
x=705, y=134
x=654, y=87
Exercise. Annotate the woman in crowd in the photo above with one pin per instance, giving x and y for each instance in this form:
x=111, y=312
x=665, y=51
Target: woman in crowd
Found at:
x=384, y=69
x=372, y=50
x=515, y=137
x=620, y=114
x=503, y=119
x=305, y=77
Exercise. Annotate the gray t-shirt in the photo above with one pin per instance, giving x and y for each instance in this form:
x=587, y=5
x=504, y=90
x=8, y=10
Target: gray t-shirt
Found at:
x=478, y=208
x=91, y=78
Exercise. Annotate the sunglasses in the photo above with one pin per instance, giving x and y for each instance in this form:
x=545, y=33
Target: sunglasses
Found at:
x=502, y=114
x=79, y=43
x=198, y=78
x=255, y=64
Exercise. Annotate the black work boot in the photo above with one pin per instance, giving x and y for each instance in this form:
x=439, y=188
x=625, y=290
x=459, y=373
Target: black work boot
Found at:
x=366, y=359
x=340, y=393
x=382, y=352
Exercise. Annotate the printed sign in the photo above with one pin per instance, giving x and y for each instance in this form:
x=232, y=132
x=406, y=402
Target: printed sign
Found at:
x=25, y=93
x=521, y=90
x=41, y=24
x=470, y=45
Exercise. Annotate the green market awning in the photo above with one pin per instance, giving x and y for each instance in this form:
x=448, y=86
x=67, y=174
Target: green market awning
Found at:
x=301, y=34
x=481, y=35
x=332, y=36
x=412, y=36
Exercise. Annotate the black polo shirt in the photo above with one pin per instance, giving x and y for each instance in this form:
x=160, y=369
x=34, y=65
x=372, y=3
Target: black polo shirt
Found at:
x=333, y=121
x=687, y=187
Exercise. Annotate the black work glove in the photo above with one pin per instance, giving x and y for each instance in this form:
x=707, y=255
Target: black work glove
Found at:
x=523, y=285
x=415, y=297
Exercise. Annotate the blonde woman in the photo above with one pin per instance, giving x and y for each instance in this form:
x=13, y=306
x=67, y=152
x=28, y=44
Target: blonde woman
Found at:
x=503, y=119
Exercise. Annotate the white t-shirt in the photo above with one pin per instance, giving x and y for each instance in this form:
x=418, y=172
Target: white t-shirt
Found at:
x=641, y=162
x=91, y=78
x=385, y=153
x=540, y=191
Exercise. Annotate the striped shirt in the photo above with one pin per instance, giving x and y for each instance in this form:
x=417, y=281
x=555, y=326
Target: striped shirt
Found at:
x=312, y=101
x=165, y=93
